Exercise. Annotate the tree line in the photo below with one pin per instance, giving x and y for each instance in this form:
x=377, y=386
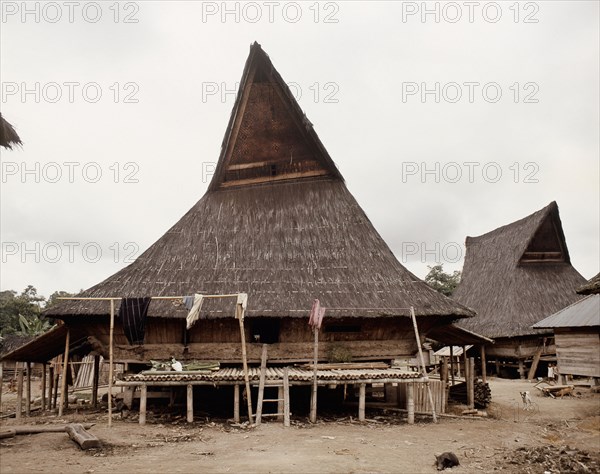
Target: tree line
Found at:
x=22, y=313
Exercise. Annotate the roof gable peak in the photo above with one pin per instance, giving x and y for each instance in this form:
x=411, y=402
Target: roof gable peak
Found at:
x=269, y=138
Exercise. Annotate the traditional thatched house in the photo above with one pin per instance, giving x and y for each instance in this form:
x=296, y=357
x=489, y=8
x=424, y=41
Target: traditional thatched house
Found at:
x=592, y=287
x=577, y=335
x=279, y=224
x=513, y=277
x=8, y=135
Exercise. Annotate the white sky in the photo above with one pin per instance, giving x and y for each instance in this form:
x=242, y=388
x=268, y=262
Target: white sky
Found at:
x=178, y=52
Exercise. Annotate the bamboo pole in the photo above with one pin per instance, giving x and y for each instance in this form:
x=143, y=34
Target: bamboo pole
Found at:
x=313, y=398
x=63, y=389
x=110, y=366
x=1, y=385
x=483, y=365
x=19, y=390
x=44, y=368
x=240, y=316
x=424, y=371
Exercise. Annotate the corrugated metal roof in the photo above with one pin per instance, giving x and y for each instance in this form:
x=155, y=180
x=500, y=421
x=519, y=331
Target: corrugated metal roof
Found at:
x=583, y=313
x=456, y=351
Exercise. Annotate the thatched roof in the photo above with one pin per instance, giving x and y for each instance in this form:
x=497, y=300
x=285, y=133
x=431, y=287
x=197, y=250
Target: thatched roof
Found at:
x=592, y=287
x=11, y=342
x=277, y=223
x=518, y=274
x=582, y=313
x=8, y=135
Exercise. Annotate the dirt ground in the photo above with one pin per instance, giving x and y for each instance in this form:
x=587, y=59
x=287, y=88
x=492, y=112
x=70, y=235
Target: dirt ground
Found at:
x=558, y=435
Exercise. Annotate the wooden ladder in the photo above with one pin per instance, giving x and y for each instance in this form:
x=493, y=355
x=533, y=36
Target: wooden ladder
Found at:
x=283, y=393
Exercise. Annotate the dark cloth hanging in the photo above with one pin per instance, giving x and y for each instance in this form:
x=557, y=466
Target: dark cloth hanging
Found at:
x=133, y=313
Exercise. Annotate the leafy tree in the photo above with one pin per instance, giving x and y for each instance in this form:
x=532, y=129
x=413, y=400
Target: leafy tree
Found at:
x=53, y=299
x=22, y=313
x=33, y=326
x=27, y=304
x=441, y=281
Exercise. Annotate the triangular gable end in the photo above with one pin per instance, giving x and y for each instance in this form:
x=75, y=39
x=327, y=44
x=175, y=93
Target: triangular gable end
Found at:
x=268, y=139
x=548, y=242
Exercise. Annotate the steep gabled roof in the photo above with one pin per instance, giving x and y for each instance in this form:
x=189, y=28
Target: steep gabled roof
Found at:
x=8, y=135
x=592, y=287
x=583, y=313
x=517, y=274
x=283, y=235
x=268, y=138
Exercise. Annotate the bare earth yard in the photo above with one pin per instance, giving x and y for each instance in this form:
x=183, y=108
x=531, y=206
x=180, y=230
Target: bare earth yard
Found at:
x=560, y=435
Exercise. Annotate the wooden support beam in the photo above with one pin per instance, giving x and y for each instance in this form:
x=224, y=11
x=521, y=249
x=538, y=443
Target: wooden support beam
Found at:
x=110, y=366
x=483, y=365
x=280, y=403
x=190, y=403
x=143, y=401
x=239, y=312
x=521, y=369
x=55, y=396
x=362, y=395
x=28, y=390
x=286, y=397
x=261, y=385
x=19, y=389
x=1, y=383
x=471, y=385
x=63, y=389
x=452, y=364
x=44, y=369
x=410, y=403
x=534, y=363
x=236, y=403
x=95, y=381
x=313, y=398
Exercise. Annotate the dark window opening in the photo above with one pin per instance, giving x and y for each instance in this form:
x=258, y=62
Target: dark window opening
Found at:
x=264, y=330
x=273, y=170
x=342, y=328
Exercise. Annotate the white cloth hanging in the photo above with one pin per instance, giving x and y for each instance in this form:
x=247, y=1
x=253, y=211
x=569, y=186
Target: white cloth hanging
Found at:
x=194, y=313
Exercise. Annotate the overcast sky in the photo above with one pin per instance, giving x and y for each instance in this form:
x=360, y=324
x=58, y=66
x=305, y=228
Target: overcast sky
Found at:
x=445, y=123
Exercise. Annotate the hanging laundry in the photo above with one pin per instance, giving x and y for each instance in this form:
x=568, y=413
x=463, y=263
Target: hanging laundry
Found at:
x=188, y=302
x=316, y=315
x=195, y=308
x=133, y=312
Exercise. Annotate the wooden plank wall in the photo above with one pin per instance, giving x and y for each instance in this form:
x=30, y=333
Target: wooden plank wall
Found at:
x=218, y=339
x=578, y=351
x=519, y=347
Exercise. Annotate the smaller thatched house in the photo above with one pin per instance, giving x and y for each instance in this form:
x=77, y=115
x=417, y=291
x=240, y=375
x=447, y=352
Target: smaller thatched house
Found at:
x=592, y=287
x=513, y=277
x=8, y=135
x=577, y=334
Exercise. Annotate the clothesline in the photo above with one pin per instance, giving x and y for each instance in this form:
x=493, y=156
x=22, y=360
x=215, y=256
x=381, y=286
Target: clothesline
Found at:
x=114, y=298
